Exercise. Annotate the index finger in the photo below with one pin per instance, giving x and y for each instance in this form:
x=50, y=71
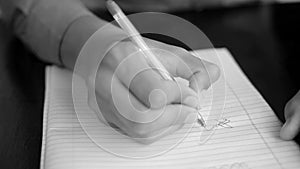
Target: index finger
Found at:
x=181, y=63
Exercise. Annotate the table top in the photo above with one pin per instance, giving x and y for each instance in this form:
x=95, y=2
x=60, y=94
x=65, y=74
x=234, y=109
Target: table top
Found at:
x=263, y=40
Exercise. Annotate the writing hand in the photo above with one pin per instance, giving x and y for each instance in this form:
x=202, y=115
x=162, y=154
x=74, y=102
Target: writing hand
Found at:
x=138, y=88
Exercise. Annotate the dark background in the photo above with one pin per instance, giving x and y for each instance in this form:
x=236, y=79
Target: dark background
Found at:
x=263, y=39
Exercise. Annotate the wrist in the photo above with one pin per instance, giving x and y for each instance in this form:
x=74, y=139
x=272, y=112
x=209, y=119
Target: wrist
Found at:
x=85, y=57
x=77, y=33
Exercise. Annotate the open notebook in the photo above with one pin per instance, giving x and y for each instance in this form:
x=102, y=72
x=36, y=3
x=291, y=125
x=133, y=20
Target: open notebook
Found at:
x=248, y=136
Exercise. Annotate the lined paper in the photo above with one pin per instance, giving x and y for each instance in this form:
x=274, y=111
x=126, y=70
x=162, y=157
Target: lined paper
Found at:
x=250, y=138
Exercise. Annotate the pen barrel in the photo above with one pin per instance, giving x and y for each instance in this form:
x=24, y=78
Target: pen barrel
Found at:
x=135, y=36
x=155, y=64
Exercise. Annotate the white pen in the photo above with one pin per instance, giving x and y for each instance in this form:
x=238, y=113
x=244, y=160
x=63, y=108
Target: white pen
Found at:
x=135, y=36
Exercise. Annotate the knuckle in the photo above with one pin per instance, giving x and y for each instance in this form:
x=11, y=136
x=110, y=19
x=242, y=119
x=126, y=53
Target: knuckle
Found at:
x=156, y=100
x=118, y=53
x=181, y=51
x=158, y=96
x=214, y=72
x=184, y=56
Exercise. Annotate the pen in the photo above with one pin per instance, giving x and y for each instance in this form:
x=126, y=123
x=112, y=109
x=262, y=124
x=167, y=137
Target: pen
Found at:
x=135, y=36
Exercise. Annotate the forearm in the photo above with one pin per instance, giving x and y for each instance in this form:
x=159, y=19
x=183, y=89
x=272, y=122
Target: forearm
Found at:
x=41, y=24
x=55, y=30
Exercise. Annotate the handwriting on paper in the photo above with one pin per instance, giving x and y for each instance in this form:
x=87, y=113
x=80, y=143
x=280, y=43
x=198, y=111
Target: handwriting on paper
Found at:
x=223, y=123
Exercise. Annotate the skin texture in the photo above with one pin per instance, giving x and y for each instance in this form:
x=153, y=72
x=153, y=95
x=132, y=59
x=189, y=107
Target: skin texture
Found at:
x=292, y=115
x=169, y=106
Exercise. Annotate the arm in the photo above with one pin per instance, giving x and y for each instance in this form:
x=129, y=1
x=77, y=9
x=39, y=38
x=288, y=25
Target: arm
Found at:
x=55, y=30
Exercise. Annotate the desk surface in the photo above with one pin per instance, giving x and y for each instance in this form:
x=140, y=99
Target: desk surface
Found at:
x=263, y=39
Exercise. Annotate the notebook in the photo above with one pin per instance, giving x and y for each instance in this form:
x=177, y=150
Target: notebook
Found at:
x=244, y=130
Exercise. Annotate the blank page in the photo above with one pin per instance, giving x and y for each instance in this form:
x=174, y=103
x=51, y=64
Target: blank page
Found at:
x=245, y=133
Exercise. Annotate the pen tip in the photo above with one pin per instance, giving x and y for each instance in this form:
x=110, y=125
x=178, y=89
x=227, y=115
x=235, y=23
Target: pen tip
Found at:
x=201, y=122
x=204, y=124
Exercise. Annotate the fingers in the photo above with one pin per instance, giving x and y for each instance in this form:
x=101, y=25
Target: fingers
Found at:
x=140, y=124
x=128, y=109
x=181, y=63
x=157, y=93
x=109, y=88
x=131, y=116
x=292, y=114
x=200, y=73
x=149, y=87
x=153, y=91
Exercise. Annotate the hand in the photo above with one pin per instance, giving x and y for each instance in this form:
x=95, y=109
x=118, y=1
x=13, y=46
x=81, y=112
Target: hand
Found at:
x=141, y=103
x=292, y=115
